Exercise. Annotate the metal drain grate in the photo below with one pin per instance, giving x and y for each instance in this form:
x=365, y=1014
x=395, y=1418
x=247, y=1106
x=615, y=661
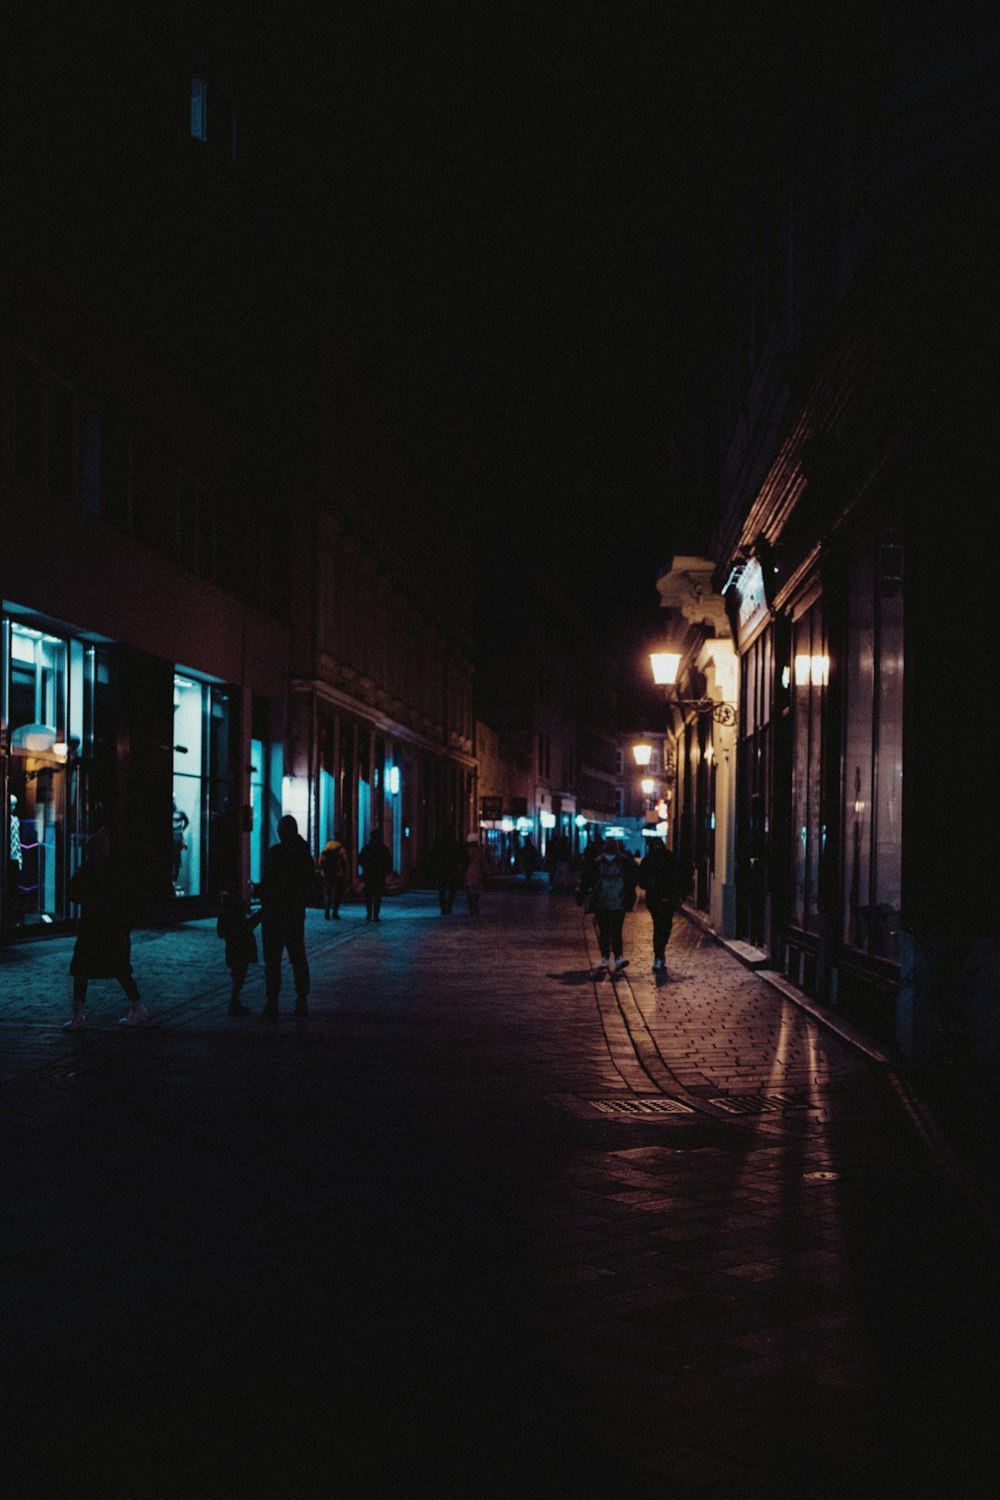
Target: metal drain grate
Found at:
x=642, y=1105
x=758, y=1104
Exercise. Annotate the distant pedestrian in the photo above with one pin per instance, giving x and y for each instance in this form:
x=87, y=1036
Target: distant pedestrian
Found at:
x=475, y=873
x=103, y=946
x=235, y=926
x=286, y=888
x=610, y=895
x=529, y=859
x=333, y=869
x=448, y=859
x=376, y=867
x=591, y=854
x=660, y=878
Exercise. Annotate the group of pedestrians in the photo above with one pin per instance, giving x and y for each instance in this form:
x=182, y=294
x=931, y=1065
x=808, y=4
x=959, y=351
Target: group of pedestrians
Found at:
x=611, y=878
x=103, y=945
x=102, y=950
x=455, y=866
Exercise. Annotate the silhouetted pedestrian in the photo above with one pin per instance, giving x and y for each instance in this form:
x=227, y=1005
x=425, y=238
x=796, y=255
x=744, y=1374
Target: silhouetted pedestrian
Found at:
x=475, y=873
x=660, y=878
x=609, y=897
x=103, y=946
x=285, y=889
x=333, y=868
x=235, y=926
x=529, y=859
x=448, y=859
x=591, y=854
x=376, y=866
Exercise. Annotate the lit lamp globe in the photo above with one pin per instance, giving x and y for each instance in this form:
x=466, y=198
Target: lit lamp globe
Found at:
x=666, y=665
x=643, y=754
x=648, y=785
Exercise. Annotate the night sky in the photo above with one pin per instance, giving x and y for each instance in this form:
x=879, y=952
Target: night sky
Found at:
x=520, y=205
x=511, y=214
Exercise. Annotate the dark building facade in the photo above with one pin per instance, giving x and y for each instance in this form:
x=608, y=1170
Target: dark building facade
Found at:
x=201, y=626
x=858, y=477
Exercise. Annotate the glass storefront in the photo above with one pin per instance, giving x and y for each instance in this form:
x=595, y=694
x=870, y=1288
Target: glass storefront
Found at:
x=810, y=676
x=873, y=754
x=326, y=783
x=204, y=827
x=54, y=687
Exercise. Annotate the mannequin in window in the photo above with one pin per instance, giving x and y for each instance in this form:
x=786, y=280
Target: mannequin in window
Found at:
x=181, y=821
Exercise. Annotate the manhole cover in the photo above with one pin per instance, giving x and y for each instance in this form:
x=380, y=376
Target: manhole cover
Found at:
x=642, y=1105
x=758, y=1104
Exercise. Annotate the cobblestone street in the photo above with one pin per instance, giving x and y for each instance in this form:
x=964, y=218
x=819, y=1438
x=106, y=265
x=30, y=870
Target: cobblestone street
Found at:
x=484, y=1225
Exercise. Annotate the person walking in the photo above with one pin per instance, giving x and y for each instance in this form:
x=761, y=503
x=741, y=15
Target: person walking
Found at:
x=376, y=866
x=475, y=873
x=449, y=861
x=660, y=878
x=103, y=946
x=333, y=869
x=285, y=889
x=235, y=926
x=609, y=897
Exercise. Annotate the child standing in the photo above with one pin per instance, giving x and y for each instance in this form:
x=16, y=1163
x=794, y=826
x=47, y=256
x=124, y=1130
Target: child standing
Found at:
x=236, y=927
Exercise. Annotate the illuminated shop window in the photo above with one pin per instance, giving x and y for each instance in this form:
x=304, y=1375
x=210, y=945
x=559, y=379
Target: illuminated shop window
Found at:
x=199, y=109
x=50, y=688
x=203, y=827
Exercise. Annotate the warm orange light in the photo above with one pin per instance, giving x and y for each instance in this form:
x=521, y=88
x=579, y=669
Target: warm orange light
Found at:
x=643, y=754
x=666, y=665
x=812, y=669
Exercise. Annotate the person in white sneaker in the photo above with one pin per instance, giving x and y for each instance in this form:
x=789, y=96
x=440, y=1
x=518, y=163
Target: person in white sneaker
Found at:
x=609, y=896
x=103, y=944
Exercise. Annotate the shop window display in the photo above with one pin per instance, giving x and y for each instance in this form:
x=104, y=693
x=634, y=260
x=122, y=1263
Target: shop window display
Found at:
x=48, y=706
x=203, y=818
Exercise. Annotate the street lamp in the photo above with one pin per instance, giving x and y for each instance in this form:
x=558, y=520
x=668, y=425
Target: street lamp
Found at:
x=643, y=754
x=648, y=786
x=666, y=665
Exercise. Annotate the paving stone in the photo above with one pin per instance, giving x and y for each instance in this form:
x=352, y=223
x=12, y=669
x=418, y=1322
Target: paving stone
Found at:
x=392, y=1250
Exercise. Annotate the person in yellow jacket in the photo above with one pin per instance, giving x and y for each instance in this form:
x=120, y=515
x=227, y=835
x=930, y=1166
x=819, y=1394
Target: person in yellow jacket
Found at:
x=333, y=868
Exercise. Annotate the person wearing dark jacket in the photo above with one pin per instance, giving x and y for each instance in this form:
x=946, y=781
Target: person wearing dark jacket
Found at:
x=376, y=866
x=235, y=926
x=289, y=876
x=448, y=859
x=103, y=947
x=660, y=878
x=610, y=894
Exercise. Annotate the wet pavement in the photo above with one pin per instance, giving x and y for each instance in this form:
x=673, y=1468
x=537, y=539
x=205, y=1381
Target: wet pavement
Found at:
x=482, y=1226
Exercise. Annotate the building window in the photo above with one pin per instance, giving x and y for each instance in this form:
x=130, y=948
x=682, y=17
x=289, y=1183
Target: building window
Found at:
x=873, y=756
x=54, y=691
x=199, y=109
x=204, y=827
x=41, y=422
x=809, y=681
x=195, y=527
x=752, y=848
